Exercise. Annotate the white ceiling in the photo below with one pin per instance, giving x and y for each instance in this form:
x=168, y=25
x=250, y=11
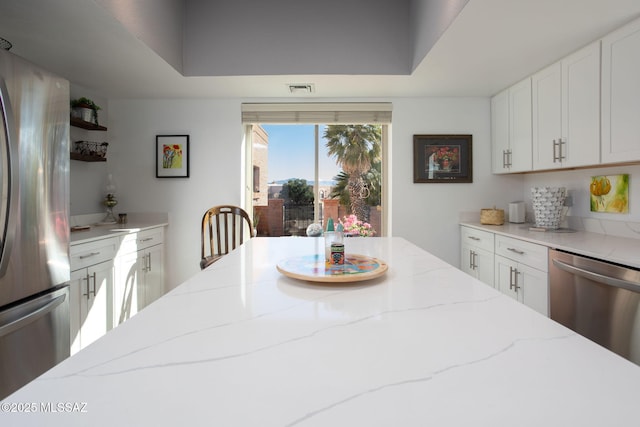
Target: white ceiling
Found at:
x=490, y=45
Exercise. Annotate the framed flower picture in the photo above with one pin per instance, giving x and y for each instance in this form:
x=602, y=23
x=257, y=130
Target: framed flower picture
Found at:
x=172, y=156
x=442, y=158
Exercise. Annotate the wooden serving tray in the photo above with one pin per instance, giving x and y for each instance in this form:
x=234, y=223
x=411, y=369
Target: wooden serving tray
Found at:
x=313, y=268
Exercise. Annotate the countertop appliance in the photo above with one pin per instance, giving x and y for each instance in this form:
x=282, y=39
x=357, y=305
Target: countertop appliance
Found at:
x=597, y=299
x=34, y=221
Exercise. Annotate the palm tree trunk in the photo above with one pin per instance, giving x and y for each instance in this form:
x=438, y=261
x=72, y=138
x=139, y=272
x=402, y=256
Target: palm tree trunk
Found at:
x=358, y=205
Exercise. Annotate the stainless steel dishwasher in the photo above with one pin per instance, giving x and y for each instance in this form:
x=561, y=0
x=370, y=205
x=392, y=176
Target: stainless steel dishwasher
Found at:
x=598, y=300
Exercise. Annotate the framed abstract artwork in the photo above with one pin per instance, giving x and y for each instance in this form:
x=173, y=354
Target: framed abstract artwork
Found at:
x=172, y=156
x=442, y=158
x=609, y=193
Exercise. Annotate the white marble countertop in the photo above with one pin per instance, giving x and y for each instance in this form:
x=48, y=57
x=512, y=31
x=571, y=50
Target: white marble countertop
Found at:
x=239, y=344
x=620, y=250
x=136, y=223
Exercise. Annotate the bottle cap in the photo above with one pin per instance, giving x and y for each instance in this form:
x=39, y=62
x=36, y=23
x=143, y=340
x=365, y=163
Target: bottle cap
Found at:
x=340, y=227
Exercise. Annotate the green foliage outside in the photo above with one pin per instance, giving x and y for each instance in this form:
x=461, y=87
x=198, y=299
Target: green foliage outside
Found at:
x=296, y=191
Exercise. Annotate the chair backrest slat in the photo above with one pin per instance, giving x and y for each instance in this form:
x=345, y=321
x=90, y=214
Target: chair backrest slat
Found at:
x=230, y=222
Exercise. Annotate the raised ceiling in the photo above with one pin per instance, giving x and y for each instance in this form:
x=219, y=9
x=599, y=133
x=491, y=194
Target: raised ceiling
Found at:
x=199, y=48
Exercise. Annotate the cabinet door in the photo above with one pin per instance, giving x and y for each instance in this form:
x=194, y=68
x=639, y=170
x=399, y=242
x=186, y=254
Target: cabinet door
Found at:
x=621, y=95
x=500, y=131
x=484, y=266
x=547, y=107
x=581, y=107
x=505, y=277
x=466, y=260
x=520, y=126
x=534, y=290
x=90, y=301
x=525, y=284
x=153, y=273
x=77, y=291
x=128, y=294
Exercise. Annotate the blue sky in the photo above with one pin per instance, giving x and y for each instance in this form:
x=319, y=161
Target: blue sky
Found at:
x=291, y=153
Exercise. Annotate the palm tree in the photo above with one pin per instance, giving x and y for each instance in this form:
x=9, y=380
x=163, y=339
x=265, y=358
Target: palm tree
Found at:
x=356, y=148
x=372, y=181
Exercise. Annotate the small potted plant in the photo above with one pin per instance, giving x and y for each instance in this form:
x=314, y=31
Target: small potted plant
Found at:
x=85, y=109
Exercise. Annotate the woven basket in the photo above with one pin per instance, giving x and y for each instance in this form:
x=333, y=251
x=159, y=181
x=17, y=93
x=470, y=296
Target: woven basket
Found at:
x=492, y=216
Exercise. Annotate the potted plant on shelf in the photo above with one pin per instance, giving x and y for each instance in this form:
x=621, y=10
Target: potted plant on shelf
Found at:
x=85, y=109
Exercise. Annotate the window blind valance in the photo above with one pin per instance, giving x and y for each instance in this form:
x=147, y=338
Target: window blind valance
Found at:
x=321, y=113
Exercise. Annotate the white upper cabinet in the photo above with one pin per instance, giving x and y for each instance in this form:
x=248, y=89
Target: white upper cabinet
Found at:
x=566, y=111
x=621, y=95
x=500, y=132
x=511, y=129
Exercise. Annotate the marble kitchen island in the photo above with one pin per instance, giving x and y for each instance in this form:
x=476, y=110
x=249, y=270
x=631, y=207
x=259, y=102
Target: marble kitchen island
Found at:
x=239, y=344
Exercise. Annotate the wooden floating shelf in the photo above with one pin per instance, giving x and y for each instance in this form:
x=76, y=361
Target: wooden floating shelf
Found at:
x=85, y=125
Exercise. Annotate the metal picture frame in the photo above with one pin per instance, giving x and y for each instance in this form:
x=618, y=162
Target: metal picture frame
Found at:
x=172, y=156
x=442, y=159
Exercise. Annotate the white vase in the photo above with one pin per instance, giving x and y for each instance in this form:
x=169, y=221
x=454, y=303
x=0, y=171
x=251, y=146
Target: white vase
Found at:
x=547, y=205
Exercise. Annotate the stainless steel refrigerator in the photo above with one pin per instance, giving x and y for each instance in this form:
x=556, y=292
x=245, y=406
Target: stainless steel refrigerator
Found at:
x=34, y=221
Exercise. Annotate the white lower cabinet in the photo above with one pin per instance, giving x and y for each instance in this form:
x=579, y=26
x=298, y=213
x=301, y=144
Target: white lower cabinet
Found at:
x=521, y=272
x=476, y=257
x=140, y=273
x=91, y=291
x=111, y=280
x=515, y=267
x=523, y=283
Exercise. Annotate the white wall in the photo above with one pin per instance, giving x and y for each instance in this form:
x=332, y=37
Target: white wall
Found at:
x=215, y=134
x=426, y=214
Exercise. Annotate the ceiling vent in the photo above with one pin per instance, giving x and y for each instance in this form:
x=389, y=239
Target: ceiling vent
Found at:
x=301, y=88
x=5, y=44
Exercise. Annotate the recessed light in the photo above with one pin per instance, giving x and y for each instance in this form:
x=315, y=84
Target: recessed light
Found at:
x=301, y=88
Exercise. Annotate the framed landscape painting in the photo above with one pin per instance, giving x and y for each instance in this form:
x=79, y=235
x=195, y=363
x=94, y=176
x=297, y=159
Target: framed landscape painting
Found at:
x=172, y=156
x=442, y=158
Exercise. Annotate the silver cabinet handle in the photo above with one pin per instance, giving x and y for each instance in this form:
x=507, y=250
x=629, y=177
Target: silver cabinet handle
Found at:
x=477, y=239
x=513, y=279
x=146, y=239
x=92, y=254
x=88, y=294
x=506, y=158
x=89, y=291
x=516, y=251
x=94, y=283
x=557, y=148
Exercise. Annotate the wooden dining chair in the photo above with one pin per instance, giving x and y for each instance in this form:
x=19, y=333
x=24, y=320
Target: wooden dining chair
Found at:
x=223, y=229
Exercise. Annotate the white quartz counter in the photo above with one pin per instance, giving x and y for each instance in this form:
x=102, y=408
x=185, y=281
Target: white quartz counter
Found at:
x=239, y=344
x=135, y=224
x=620, y=250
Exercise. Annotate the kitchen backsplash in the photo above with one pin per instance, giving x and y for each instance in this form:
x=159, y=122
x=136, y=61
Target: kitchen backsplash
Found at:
x=578, y=215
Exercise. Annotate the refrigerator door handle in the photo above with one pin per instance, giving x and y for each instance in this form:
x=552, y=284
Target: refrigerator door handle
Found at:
x=31, y=317
x=7, y=177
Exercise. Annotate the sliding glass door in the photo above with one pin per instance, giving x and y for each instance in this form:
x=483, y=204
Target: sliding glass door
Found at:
x=302, y=172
